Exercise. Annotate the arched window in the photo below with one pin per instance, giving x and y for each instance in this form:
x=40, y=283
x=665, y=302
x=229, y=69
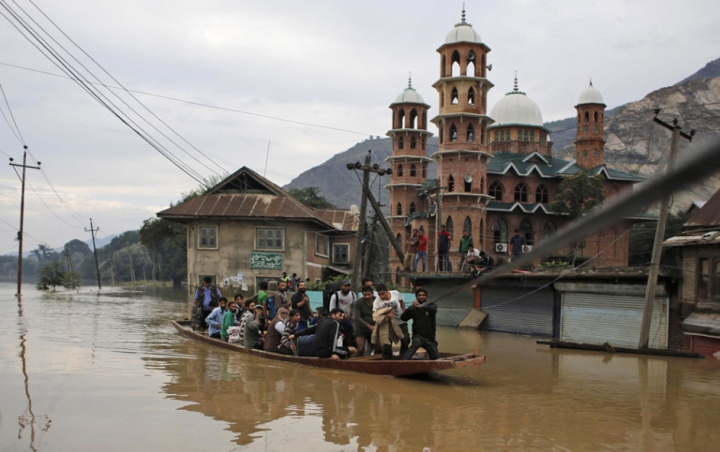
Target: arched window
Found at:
x=451, y=183
x=467, y=225
x=471, y=96
x=455, y=64
x=526, y=230
x=398, y=209
x=541, y=195
x=471, y=64
x=596, y=116
x=453, y=133
x=424, y=171
x=454, y=96
x=521, y=192
x=412, y=208
x=413, y=119
x=587, y=116
x=449, y=225
x=468, y=184
x=442, y=66
x=496, y=190
x=401, y=119
x=500, y=231
x=400, y=170
x=470, y=133
x=482, y=133
x=440, y=137
x=401, y=143
x=481, y=234
x=482, y=185
x=413, y=142
x=549, y=230
x=413, y=171
x=423, y=142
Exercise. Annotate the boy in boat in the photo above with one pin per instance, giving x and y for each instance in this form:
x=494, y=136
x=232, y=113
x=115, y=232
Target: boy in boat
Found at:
x=329, y=339
x=364, y=322
x=392, y=298
x=228, y=320
x=286, y=345
x=215, y=319
x=422, y=313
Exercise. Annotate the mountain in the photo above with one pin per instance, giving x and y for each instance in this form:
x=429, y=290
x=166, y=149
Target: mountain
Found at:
x=634, y=143
x=99, y=243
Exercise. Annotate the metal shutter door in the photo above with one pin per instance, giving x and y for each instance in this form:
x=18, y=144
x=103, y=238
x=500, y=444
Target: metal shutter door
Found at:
x=531, y=314
x=598, y=318
x=451, y=310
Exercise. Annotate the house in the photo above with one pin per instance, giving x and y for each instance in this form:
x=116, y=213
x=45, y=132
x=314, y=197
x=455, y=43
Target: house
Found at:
x=700, y=288
x=246, y=229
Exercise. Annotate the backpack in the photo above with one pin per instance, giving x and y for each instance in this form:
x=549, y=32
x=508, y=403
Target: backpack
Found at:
x=330, y=290
x=337, y=299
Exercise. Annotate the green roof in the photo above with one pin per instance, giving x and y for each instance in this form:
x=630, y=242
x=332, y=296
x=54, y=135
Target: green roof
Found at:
x=549, y=167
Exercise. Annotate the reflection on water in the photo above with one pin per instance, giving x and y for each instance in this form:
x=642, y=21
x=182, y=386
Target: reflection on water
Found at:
x=110, y=372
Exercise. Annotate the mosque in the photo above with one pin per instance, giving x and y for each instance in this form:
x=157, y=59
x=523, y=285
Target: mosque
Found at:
x=495, y=172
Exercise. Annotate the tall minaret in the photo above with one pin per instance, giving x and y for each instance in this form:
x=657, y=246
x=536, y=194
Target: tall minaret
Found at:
x=409, y=162
x=462, y=123
x=590, y=142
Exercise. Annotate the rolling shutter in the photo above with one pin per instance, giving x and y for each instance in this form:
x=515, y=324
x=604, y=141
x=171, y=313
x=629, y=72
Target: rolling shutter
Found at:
x=531, y=314
x=592, y=318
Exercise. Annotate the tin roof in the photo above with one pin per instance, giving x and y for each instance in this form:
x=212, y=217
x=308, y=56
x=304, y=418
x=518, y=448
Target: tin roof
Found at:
x=708, y=214
x=246, y=194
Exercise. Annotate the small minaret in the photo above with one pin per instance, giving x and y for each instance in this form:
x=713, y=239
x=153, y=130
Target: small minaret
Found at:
x=589, y=143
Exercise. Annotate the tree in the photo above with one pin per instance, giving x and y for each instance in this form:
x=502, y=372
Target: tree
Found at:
x=77, y=246
x=52, y=274
x=578, y=195
x=43, y=253
x=311, y=197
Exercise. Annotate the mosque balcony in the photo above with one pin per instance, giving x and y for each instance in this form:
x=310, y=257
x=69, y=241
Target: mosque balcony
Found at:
x=408, y=158
x=479, y=197
x=475, y=117
x=449, y=152
x=402, y=185
x=484, y=83
x=394, y=132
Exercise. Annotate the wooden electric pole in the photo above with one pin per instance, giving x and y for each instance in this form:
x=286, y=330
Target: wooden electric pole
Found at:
x=367, y=195
x=92, y=231
x=659, y=233
x=21, y=232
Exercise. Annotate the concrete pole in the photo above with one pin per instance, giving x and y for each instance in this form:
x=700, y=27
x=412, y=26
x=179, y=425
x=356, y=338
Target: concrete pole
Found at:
x=657, y=245
x=357, y=260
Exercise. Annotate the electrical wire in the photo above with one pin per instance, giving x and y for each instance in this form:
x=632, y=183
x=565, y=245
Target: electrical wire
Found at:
x=21, y=138
x=48, y=207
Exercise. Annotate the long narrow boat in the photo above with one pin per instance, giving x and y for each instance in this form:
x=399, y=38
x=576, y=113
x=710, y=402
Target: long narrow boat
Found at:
x=368, y=364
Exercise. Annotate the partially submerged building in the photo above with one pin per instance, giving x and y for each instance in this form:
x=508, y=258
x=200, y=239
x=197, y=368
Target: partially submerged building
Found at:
x=246, y=229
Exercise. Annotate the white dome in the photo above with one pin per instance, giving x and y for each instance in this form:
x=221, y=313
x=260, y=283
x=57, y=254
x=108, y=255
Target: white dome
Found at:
x=516, y=109
x=591, y=96
x=409, y=95
x=463, y=32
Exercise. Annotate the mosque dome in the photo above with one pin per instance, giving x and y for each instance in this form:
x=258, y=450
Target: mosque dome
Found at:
x=591, y=96
x=463, y=32
x=409, y=95
x=516, y=108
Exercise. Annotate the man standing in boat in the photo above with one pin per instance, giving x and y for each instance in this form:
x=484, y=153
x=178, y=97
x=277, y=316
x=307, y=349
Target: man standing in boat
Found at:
x=393, y=298
x=301, y=302
x=422, y=313
x=205, y=296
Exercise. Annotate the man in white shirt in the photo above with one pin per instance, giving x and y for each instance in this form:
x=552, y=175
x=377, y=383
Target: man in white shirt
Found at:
x=344, y=299
x=393, y=298
x=473, y=258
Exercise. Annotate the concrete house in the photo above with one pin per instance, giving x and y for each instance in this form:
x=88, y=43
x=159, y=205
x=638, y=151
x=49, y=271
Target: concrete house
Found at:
x=700, y=287
x=246, y=229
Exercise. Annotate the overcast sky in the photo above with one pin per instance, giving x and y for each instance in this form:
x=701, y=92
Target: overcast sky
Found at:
x=337, y=64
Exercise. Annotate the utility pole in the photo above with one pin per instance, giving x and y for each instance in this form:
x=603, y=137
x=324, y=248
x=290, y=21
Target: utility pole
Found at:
x=92, y=231
x=659, y=233
x=21, y=232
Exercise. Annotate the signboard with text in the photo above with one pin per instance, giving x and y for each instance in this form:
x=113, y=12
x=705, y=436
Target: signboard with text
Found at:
x=272, y=261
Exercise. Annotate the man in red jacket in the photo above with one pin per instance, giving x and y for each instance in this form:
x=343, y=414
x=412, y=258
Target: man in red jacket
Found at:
x=421, y=250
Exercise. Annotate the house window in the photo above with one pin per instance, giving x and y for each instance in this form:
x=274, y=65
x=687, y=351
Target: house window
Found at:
x=400, y=171
x=412, y=208
x=451, y=183
x=703, y=271
x=521, y=193
x=413, y=171
x=207, y=237
x=541, y=195
x=496, y=191
x=413, y=143
x=399, y=209
x=526, y=230
x=340, y=254
x=500, y=231
x=322, y=245
x=401, y=143
x=269, y=238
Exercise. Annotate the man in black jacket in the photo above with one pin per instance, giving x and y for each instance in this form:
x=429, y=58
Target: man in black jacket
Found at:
x=422, y=313
x=329, y=338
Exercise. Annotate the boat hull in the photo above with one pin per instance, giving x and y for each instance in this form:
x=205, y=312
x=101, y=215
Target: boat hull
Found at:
x=370, y=365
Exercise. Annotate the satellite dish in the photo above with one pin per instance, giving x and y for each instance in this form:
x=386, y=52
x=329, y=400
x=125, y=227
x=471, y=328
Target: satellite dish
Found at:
x=468, y=178
x=354, y=210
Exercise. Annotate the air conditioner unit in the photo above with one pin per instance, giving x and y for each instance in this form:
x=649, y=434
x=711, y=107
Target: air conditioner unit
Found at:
x=501, y=247
x=528, y=248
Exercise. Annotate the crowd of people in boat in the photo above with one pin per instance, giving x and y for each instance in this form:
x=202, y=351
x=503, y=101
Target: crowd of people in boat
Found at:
x=351, y=326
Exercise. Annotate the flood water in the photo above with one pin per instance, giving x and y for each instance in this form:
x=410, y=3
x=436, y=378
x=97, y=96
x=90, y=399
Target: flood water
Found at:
x=82, y=371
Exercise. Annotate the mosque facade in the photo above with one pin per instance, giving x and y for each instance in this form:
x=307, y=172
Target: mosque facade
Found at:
x=495, y=172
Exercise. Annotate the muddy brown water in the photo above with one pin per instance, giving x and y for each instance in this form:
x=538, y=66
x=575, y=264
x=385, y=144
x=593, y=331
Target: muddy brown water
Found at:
x=82, y=371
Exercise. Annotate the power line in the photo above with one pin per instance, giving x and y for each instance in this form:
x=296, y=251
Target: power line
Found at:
x=19, y=134
x=48, y=207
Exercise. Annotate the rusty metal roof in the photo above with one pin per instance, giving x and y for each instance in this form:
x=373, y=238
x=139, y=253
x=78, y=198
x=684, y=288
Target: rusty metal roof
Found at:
x=246, y=194
x=708, y=214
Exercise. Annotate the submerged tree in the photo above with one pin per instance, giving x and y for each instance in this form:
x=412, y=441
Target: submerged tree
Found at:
x=51, y=275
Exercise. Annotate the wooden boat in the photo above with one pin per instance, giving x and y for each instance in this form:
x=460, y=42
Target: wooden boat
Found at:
x=367, y=364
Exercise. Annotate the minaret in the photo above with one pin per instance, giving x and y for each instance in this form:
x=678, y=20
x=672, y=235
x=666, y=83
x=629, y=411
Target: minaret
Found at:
x=409, y=162
x=462, y=123
x=590, y=142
